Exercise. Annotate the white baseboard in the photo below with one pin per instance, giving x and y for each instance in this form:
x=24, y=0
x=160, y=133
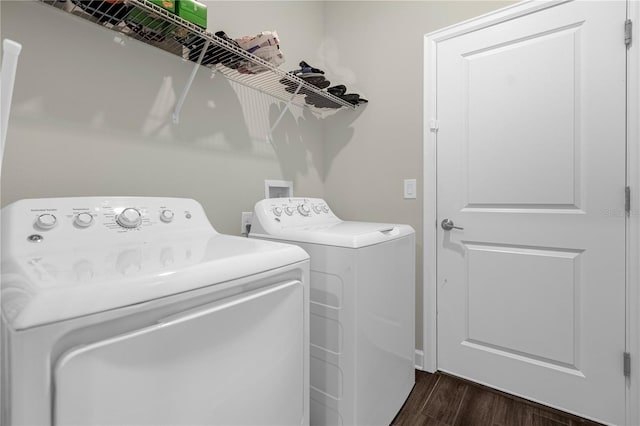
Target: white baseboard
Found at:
x=419, y=360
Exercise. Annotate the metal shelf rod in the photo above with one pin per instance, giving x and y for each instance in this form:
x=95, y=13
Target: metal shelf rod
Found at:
x=284, y=111
x=185, y=91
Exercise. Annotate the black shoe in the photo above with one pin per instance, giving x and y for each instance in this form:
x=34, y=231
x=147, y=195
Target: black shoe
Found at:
x=320, y=101
x=312, y=78
x=338, y=90
x=306, y=68
x=316, y=79
x=352, y=98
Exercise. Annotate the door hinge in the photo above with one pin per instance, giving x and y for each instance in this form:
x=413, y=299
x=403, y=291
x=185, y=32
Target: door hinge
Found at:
x=626, y=364
x=433, y=125
x=628, y=27
x=627, y=200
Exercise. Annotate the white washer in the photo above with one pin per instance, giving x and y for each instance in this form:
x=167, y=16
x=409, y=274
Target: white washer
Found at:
x=122, y=310
x=362, y=308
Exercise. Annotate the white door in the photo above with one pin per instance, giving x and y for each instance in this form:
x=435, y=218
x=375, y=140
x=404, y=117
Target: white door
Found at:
x=531, y=163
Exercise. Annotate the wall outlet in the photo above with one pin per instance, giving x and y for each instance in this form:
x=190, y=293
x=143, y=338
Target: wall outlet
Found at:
x=247, y=217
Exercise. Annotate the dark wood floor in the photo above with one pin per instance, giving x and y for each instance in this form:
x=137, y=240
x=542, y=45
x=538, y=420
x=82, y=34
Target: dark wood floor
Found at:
x=443, y=400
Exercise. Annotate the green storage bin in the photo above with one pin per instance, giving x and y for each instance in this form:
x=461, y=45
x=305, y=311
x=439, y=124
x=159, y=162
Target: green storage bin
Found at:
x=193, y=11
x=170, y=5
x=150, y=24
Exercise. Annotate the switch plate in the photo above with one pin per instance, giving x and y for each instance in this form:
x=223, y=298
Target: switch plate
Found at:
x=247, y=217
x=409, y=189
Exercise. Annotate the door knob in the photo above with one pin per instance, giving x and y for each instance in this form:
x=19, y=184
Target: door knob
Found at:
x=448, y=225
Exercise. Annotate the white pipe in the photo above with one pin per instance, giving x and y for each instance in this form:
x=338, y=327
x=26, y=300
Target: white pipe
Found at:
x=11, y=51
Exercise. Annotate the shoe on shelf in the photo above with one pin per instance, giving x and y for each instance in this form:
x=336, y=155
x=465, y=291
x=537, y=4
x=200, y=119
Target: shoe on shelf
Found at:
x=306, y=68
x=320, y=101
x=338, y=90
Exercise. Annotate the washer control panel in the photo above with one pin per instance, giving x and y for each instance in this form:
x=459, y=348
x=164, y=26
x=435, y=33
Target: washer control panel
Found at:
x=72, y=220
x=295, y=212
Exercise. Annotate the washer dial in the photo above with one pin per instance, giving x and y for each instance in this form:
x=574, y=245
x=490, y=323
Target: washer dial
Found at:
x=129, y=218
x=304, y=210
x=83, y=220
x=46, y=221
x=166, y=216
x=277, y=211
x=288, y=210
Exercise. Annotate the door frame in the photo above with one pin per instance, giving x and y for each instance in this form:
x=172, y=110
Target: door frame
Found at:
x=429, y=302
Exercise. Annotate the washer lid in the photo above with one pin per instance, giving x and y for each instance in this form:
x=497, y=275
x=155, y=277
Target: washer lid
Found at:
x=342, y=234
x=41, y=288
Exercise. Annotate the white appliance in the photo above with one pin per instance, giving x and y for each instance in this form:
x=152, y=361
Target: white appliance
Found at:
x=121, y=310
x=362, y=308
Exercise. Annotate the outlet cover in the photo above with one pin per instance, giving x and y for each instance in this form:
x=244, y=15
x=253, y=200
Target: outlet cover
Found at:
x=247, y=217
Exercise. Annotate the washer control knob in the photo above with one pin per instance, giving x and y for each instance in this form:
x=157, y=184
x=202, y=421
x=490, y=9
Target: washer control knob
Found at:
x=325, y=208
x=46, y=221
x=288, y=210
x=166, y=216
x=303, y=209
x=83, y=220
x=277, y=211
x=317, y=208
x=129, y=218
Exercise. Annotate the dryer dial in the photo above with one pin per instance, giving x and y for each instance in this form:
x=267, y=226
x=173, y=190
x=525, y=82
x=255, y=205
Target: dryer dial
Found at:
x=289, y=210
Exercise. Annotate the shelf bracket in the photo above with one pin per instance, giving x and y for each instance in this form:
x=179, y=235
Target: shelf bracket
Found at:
x=284, y=111
x=183, y=96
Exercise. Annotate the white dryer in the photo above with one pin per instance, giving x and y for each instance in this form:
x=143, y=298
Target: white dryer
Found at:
x=362, y=308
x=122, y=310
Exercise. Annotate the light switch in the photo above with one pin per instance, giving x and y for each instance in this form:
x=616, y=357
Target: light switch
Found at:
x=409, y=188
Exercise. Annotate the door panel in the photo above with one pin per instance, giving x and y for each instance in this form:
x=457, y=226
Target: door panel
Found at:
x=540, y=137
x=531, y=163
x=510, y=308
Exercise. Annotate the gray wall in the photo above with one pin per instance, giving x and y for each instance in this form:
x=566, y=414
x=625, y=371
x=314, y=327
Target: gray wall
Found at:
x=377, y=46
x=92, y=114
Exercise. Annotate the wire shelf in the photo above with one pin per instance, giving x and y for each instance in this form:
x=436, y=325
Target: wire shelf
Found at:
x=159, y=27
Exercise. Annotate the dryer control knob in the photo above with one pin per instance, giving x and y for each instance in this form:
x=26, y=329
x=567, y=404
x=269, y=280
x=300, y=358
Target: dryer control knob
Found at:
x=129, y=218
x=288, y=210
x=277, y=211
x=325, y=208
x=166, y=216
x=83, y=220
x=317, y=208
x=303, y=209
x=46, y=221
